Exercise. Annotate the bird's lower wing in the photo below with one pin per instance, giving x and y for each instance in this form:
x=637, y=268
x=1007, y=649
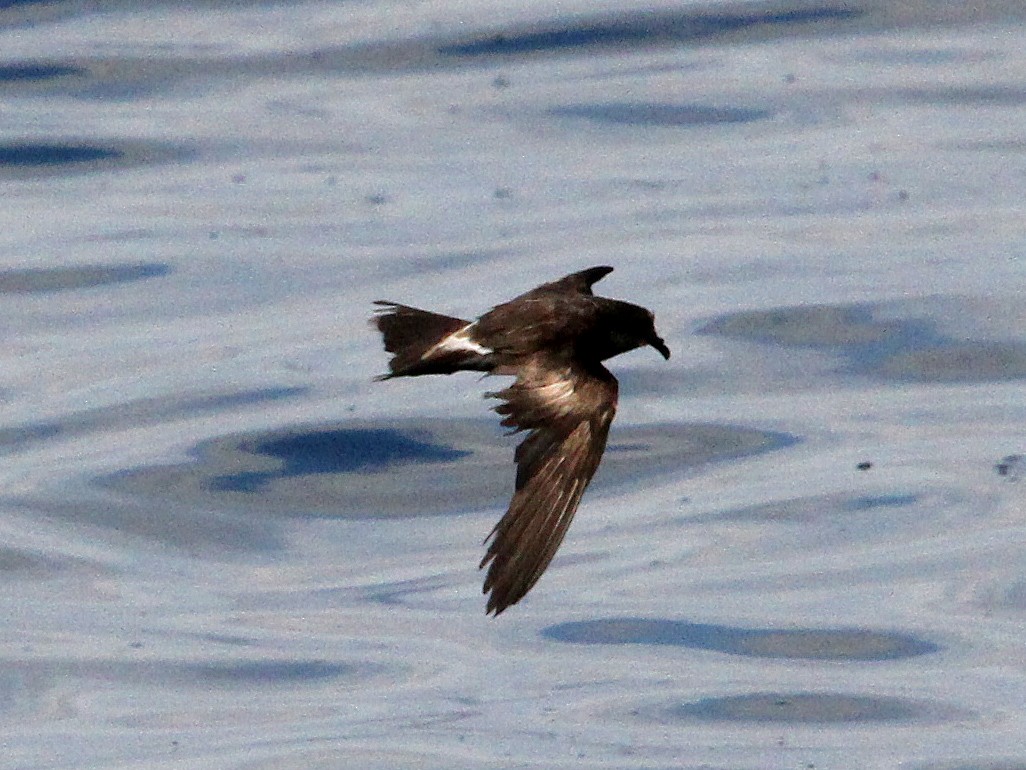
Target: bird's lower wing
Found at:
x=568, y=413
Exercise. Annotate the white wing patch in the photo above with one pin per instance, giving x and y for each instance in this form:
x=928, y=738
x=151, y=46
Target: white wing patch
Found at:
x=557, y=390
x=559, y=394
x=458, y=342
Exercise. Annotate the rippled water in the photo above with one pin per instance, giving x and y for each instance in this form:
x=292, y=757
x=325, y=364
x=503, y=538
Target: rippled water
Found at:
x=224, y=545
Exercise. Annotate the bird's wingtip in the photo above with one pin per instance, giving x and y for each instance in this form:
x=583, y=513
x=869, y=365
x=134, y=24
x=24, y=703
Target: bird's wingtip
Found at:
x=494, y=608
x=582, y=280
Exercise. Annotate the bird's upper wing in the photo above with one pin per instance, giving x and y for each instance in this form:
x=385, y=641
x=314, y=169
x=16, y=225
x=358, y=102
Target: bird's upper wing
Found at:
x=567, y=410
x=554, y=313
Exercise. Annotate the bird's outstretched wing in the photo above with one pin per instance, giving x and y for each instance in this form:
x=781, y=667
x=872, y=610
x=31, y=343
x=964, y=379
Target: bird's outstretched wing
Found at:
x=567, y=410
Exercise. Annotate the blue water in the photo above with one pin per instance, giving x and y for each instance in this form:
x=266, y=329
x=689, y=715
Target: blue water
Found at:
x=224, y=544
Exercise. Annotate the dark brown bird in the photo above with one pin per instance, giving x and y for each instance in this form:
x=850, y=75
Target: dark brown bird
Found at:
x=553, y=340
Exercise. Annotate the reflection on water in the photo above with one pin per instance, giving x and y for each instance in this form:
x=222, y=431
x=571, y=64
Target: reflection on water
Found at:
x=45, y=158
x=53, y=154
x=338, y=451
x=799, y=643
x=645, y=28
x=42, y=280
x=908, y=349
x=18, y=72
x=270, y=671
x=388, y=469
x=641, y=114
x=806, y=708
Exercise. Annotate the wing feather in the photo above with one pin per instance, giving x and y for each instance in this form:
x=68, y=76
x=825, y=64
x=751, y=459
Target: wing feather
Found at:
x=567, y=411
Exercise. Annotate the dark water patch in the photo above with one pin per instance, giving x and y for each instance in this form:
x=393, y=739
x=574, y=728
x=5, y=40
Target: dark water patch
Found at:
x=24, y=13
x=899, y=349
x=628, y=448
x=228, y=640
x=248, y=673
x=13, y=73
x=961, y=96
x=646, y=28
x=129, y=78
x=53, y=154
x=239, y=399
x=1013, y=146
x=15, y=563
x=18, y=3
x=203, y=674
x=804, y=326
x=1011, y=467
x=922, y=57
x=872, y=502
x=396, y=469
x=335, y=451
x=802, y=708
x=958, y=362
x=650, y=114
x=134, y=414
x=126, y=78
x=35, y=158
x=399, y=593
x=24, y=436
x=45, y=280
x=838, y=644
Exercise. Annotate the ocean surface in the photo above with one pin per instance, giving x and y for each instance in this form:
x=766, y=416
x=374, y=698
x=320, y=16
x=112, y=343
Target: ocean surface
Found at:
x=224, y=545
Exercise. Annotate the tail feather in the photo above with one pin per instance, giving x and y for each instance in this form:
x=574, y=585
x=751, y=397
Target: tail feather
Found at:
x=417, y=339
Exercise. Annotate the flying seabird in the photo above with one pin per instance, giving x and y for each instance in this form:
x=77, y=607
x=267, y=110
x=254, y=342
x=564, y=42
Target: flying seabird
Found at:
x=553, y=340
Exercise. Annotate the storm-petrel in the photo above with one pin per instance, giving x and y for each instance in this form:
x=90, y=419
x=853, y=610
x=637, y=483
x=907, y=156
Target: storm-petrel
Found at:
x=553, y=340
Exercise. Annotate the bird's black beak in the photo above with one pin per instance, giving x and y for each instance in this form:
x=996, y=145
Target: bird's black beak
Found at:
x=658, y=344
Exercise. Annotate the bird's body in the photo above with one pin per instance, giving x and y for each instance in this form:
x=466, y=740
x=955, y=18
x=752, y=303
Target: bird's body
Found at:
x=553, y=339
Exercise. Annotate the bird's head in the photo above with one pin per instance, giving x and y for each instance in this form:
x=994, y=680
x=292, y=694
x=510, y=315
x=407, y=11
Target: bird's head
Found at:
x=630, y=327
x=657, y=342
